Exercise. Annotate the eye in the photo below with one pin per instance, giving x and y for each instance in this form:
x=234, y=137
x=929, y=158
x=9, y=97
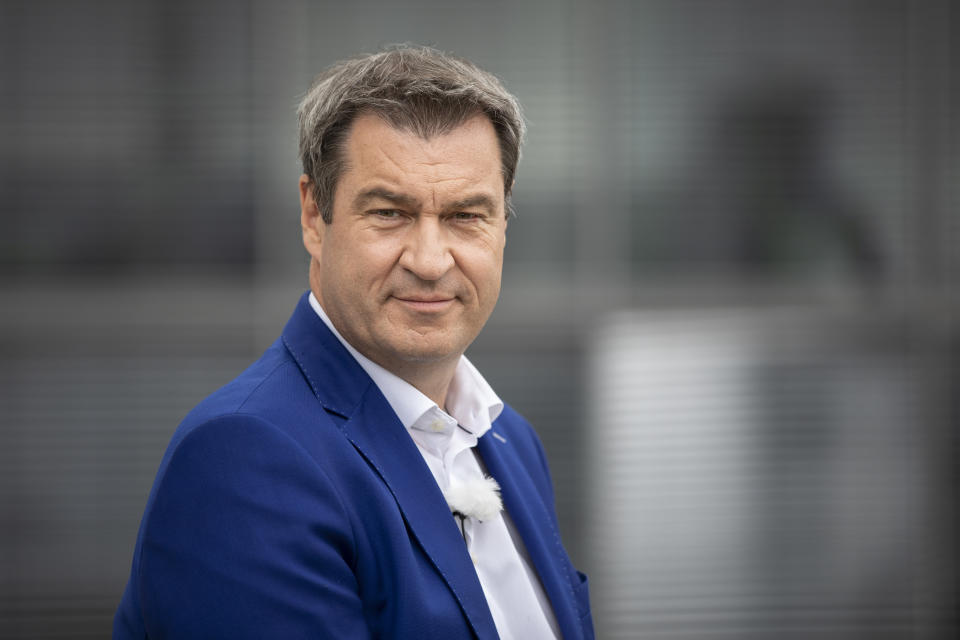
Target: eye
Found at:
x=466, y=216
x=386, y=214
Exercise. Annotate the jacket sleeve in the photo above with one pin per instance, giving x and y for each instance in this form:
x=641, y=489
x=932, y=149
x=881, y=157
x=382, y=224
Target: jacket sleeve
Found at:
x=247, y=537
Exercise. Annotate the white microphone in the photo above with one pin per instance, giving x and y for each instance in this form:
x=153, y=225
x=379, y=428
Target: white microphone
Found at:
x=476, y=498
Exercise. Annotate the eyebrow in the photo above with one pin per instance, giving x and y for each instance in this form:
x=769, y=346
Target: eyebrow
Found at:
x=480, y=200
x=379, y=193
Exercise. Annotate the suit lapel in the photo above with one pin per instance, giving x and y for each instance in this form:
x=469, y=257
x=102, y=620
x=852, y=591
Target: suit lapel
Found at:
x=376, y=432
x=535, y=525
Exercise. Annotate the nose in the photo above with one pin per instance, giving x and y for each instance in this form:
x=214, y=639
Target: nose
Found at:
x=427, y=251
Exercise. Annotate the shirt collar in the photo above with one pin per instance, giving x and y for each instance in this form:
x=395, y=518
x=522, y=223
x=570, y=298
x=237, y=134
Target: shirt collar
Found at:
x=471, y=401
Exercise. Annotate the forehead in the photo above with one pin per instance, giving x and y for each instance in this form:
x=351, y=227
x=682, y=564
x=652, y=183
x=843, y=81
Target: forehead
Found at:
x=467, y=158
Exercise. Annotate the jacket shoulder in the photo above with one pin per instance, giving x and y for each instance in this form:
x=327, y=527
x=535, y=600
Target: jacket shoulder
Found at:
x=275, y=371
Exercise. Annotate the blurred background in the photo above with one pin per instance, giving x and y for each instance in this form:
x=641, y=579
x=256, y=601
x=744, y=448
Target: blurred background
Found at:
x=729, y=307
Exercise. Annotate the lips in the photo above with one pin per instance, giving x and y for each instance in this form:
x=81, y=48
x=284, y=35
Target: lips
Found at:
x=424, y=299
x=427, y=304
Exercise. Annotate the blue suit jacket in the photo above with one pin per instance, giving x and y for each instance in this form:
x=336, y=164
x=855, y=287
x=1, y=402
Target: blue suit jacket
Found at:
x=292, y=503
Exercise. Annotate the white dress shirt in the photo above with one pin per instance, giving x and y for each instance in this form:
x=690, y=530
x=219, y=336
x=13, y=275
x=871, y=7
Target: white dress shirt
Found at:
x=520, y=608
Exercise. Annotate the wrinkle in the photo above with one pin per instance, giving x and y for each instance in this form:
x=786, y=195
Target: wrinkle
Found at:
x=439, y=180
x=390, y=159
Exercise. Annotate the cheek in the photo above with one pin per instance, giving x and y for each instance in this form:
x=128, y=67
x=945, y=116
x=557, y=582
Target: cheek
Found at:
x=352, y=261
x=483, y=268
x=367, y=273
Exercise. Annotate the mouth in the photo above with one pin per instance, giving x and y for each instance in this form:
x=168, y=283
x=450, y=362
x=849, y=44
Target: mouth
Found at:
x=425, y=304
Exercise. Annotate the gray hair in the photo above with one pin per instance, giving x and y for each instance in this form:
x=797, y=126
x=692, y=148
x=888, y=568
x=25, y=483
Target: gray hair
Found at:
x=413, y=88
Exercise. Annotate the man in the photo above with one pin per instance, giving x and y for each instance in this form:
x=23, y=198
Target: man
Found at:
x=348, y=484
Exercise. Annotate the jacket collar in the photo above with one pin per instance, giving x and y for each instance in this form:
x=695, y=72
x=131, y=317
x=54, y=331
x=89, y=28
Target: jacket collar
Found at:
x=344, y=388
x=334, y=376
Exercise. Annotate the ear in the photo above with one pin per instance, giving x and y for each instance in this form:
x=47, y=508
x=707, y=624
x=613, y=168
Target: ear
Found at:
x=311, y=221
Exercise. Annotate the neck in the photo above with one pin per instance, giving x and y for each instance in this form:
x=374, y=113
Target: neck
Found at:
x=431, y=379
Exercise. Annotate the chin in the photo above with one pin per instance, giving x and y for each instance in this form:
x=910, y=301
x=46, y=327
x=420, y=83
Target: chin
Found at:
x=428, y=355
x=429, y=351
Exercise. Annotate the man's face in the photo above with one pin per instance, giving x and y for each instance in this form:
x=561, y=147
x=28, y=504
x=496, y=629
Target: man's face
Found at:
x=409, y=269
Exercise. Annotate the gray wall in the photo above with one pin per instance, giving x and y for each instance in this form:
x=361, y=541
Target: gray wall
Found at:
x=770, y=181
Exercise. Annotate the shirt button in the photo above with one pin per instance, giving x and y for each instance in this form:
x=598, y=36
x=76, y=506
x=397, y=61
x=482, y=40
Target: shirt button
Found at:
x=436, y=425
x=474, y=558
